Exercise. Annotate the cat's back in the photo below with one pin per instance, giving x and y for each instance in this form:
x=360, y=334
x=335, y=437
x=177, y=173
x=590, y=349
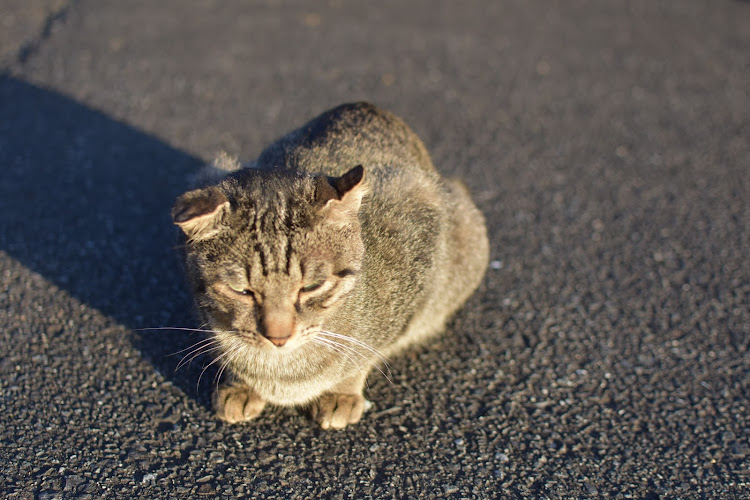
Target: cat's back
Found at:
x=349, y=135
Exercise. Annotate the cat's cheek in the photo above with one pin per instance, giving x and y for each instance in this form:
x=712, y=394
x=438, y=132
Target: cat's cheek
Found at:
x=339, y=293
x=330, y=302
x=219, y=323
x=219, y=316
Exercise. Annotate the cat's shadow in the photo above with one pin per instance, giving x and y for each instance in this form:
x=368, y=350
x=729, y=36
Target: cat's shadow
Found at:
x=85, y=202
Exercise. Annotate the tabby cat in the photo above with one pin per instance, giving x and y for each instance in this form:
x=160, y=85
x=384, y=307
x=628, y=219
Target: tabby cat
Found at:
x=338, y=247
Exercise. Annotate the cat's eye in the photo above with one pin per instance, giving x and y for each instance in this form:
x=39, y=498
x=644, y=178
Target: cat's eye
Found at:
x=311, y=287
x=240, y=290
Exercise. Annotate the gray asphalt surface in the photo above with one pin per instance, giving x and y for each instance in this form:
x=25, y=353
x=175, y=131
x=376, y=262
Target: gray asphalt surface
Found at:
x=607, y=143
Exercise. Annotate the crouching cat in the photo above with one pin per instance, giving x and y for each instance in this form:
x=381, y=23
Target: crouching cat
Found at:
x=339, y=246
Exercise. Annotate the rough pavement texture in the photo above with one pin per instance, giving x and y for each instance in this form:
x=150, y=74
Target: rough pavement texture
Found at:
x=607, y=142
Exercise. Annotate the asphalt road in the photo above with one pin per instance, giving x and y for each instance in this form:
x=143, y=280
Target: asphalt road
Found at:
x=607, y=143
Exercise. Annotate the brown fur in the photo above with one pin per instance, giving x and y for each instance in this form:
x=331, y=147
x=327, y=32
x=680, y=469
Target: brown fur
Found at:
x=339, y=247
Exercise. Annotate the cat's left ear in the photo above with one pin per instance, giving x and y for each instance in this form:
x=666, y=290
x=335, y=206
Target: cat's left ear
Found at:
x=199, y=212
x=341, y=197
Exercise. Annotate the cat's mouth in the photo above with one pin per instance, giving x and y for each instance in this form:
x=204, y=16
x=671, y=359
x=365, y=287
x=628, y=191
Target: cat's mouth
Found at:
x=256, y=339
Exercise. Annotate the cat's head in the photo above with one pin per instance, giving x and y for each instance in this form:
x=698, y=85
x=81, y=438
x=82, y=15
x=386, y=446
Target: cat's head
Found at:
x=272, y=253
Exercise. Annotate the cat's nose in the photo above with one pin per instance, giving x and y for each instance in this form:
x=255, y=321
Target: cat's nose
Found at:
x=278, y=341
x=278, y=328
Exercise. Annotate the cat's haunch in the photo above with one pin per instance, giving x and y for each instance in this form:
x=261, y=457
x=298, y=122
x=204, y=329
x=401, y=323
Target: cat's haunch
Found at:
x=339, y=247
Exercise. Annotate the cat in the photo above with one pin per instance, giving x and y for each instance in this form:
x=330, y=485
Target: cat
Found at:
x=339, y=247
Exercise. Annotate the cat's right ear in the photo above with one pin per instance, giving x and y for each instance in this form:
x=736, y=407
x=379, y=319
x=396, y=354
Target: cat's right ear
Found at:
x=340, y=197
x=199, y=212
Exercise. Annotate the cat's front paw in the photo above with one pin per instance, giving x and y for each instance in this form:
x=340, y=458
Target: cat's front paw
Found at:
x=237, y=403
x=336, y=411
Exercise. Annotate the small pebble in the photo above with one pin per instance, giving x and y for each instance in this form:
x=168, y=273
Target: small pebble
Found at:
x=147, y=478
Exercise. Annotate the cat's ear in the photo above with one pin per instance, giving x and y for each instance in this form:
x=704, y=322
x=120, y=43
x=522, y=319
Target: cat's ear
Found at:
x=347, y=182
x=199, y=212
x=341, y=197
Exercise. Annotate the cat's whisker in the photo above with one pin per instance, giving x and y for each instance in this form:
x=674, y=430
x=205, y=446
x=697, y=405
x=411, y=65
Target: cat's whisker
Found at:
x=223, y=367
x=216, y=359
x=201, y=344
x=204, y=341
x=204, y=346
x=359, y=343
x=380, y=355
x=388, y=376
x=349, y=348
x=177, y=328
x=341, y=349
x=237, y=350
x=203, y=349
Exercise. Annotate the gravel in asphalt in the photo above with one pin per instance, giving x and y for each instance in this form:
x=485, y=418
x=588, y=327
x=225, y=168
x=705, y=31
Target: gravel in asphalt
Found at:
x=604, y=355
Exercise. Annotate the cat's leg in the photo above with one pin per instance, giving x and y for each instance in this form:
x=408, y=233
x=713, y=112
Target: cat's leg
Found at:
x=341, y=406
x=237, y=403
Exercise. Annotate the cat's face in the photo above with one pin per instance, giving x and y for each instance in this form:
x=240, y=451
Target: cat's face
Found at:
x=272, y=255
x=243, y=290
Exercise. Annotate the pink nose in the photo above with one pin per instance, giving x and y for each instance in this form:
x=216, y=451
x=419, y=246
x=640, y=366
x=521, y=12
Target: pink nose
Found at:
x=278, y=341
x=278, y=329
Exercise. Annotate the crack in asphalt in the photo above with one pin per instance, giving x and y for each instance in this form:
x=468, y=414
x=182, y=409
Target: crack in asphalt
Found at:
x=31, y=47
